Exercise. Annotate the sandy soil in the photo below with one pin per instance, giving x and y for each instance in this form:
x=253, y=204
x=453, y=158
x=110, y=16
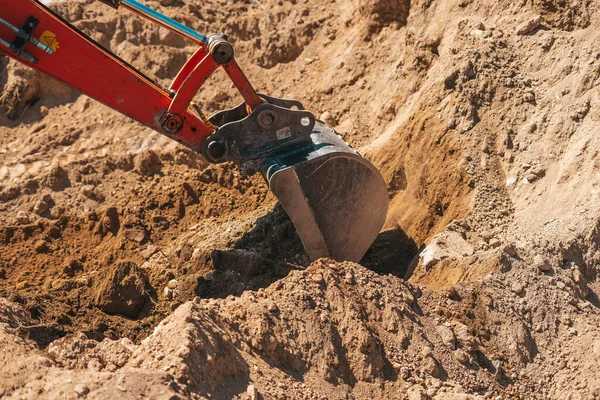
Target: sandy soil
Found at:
x=131, y=268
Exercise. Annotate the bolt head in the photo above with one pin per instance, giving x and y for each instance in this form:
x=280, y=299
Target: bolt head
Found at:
x=216, y=150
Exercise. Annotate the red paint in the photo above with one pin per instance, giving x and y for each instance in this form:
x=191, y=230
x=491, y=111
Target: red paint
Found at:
x=91, y=69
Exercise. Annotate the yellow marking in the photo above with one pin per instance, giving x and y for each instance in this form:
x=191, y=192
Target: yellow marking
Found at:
x=49, y=39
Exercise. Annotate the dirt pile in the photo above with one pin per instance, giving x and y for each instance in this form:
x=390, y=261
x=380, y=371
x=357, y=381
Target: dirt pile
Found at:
x=129, y=266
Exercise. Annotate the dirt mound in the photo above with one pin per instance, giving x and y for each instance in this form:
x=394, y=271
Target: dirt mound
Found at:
x=121, y=290
x=481, y=116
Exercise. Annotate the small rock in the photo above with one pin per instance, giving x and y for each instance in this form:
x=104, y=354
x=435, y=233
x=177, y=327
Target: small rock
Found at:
x=167, y=293
x=444, y=245
x=98, y=195
x=539, y=171
x=541, y=263
x=416, y=392
x=148, y=251
x=531, y=178
x=450, y=79
x=81, y=390
x=447, y=336
x=23, y=218
x=147, y=163
x=41, y=247
x=511, y=181
x=22, y=285
x=529, y=97
x=511, y=250
x=172, y=284
x=136, y=234
x=57, y=179
x=495, y=243
x=128, y=344
x=529, y=25
x=431, y=367
x=328, y=118
x=486, y=236
x=531, y=128
x=517, y=288
x=272, y=307
x=209, y=276
x=404, y=373
x=463, y=336
x=88, y=191
x=120, y=289
x=41, y=207
x=461, y=356
x=252, y=392
x=44, y=111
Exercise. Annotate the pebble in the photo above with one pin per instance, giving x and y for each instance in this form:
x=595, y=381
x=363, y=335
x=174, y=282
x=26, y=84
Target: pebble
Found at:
x=128, y=344
x=149, y=251
x=41, y=207
x=41, y=247
x=447, y=336
x=172, y=284
x=531, y=128
x=541, y=263
x=529, y=97
x=517, y=288
x=495, y=243
x=461, y=356
x=252, y=392
x=531, y=178
x=23, y=218
x=328, y=118
x=529, y=25
x=81, y=390
x=416, y=392
x=88, y=190
x=511, y=250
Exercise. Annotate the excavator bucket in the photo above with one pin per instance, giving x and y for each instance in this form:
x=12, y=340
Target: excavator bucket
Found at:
x=336, y=199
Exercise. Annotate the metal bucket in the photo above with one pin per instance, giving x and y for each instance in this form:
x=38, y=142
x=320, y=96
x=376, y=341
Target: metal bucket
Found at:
x=336, y=199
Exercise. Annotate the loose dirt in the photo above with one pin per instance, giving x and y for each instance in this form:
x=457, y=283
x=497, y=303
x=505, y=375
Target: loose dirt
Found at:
x=131, y=268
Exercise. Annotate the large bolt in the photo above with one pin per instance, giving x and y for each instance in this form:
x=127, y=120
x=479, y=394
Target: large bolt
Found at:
x=172, y=123
x=222, y=52
x=216, y=150
x=266, y=119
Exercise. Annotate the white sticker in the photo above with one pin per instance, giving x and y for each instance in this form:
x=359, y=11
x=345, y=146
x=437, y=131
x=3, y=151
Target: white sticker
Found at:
x=283, y=133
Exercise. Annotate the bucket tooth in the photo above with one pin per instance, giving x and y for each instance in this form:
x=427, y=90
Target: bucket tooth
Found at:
x=336, y=199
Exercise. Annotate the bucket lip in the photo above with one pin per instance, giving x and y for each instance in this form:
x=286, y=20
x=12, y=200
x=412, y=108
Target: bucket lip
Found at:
x=273, y=165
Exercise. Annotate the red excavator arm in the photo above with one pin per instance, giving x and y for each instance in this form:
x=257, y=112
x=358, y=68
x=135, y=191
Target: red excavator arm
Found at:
x=63, y=52
x=336, y=199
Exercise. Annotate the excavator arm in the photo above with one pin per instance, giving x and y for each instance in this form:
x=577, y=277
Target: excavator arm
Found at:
x=336, y=199
x=60, y=50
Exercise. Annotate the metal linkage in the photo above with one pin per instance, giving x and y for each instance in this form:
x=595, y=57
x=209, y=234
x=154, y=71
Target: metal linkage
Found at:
x=23, y=54
x=27, y=36
x=24, y=36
